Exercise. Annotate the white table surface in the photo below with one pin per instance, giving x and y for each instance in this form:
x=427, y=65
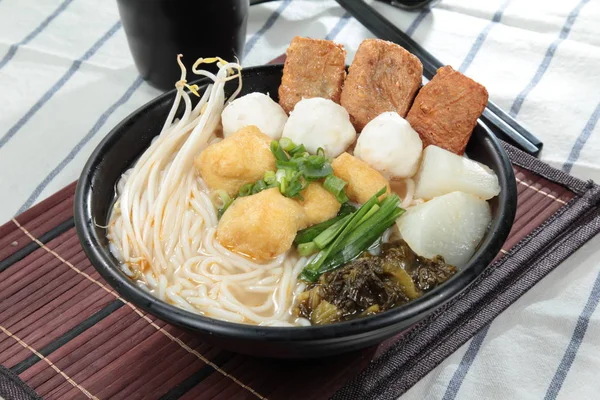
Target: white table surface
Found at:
x=66, y=78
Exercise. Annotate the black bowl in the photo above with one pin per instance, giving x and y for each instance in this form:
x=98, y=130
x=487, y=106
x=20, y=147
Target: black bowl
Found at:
x=127, y=141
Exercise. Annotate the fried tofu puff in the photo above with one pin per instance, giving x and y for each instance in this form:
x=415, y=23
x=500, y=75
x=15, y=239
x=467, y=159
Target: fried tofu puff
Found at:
x=363, y=181
x=319, y=204
x=313, y=68
x=446, y=110
x=383, y=77
x=241, y=158
x=261, y=226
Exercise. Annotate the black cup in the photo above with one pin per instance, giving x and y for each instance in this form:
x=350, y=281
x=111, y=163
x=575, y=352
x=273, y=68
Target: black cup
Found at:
x=158, y=30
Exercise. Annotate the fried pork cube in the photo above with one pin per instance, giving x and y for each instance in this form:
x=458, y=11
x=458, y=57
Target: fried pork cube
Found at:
x=319, y=204
x=383, y=77
x=261, y=226
x=313, y=68
x=241, y=158
x=363, y=181
x=446, y=110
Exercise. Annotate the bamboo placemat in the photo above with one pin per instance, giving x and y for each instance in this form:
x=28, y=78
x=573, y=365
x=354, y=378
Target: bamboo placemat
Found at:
x=67, y=334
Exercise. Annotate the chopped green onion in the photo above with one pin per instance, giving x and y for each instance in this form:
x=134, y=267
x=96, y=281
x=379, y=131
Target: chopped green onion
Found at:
x=355, y=245
x=286, y=165
x=296, y=185
x=313, y=160
x=364, y=235
x=225, y=202
x=299, y=150
x=316, y=161
x=270, y=178
x=278, y=151
x=369, y=213
x=346, y=209
x=286, y=144
x=330, y=233
x=307, y=249
x=259, y=186
x=336, y=187
x=355, y=234
x=296, y=168
x=303, y=154
x=314, y=173
x=282, y=180
x=245, y=190
x=308, y=234
x=310, y=275
x=220, y=197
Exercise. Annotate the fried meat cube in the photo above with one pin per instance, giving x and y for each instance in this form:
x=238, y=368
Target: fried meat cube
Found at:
x=319, y=204
x=241, y=158
x=363, y=180
x=313, y=68
x=446, y=110
x=383, y=77
x=261, y=226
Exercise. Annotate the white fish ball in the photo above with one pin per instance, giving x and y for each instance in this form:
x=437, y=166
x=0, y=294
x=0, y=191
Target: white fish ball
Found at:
x=319, y=122
x=442, y=172
x=256, y=109
x=390, y=145
x=450, y=226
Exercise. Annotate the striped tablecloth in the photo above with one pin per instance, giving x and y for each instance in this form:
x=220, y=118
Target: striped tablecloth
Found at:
x=66, y=78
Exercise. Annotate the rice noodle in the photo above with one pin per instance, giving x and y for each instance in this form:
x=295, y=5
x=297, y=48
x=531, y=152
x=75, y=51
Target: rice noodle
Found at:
x=163, y=223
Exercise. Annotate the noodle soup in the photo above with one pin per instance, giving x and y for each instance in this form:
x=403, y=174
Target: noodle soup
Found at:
x=238, y=212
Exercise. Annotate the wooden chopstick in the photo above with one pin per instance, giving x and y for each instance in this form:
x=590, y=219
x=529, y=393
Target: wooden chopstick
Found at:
x=502, y=124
